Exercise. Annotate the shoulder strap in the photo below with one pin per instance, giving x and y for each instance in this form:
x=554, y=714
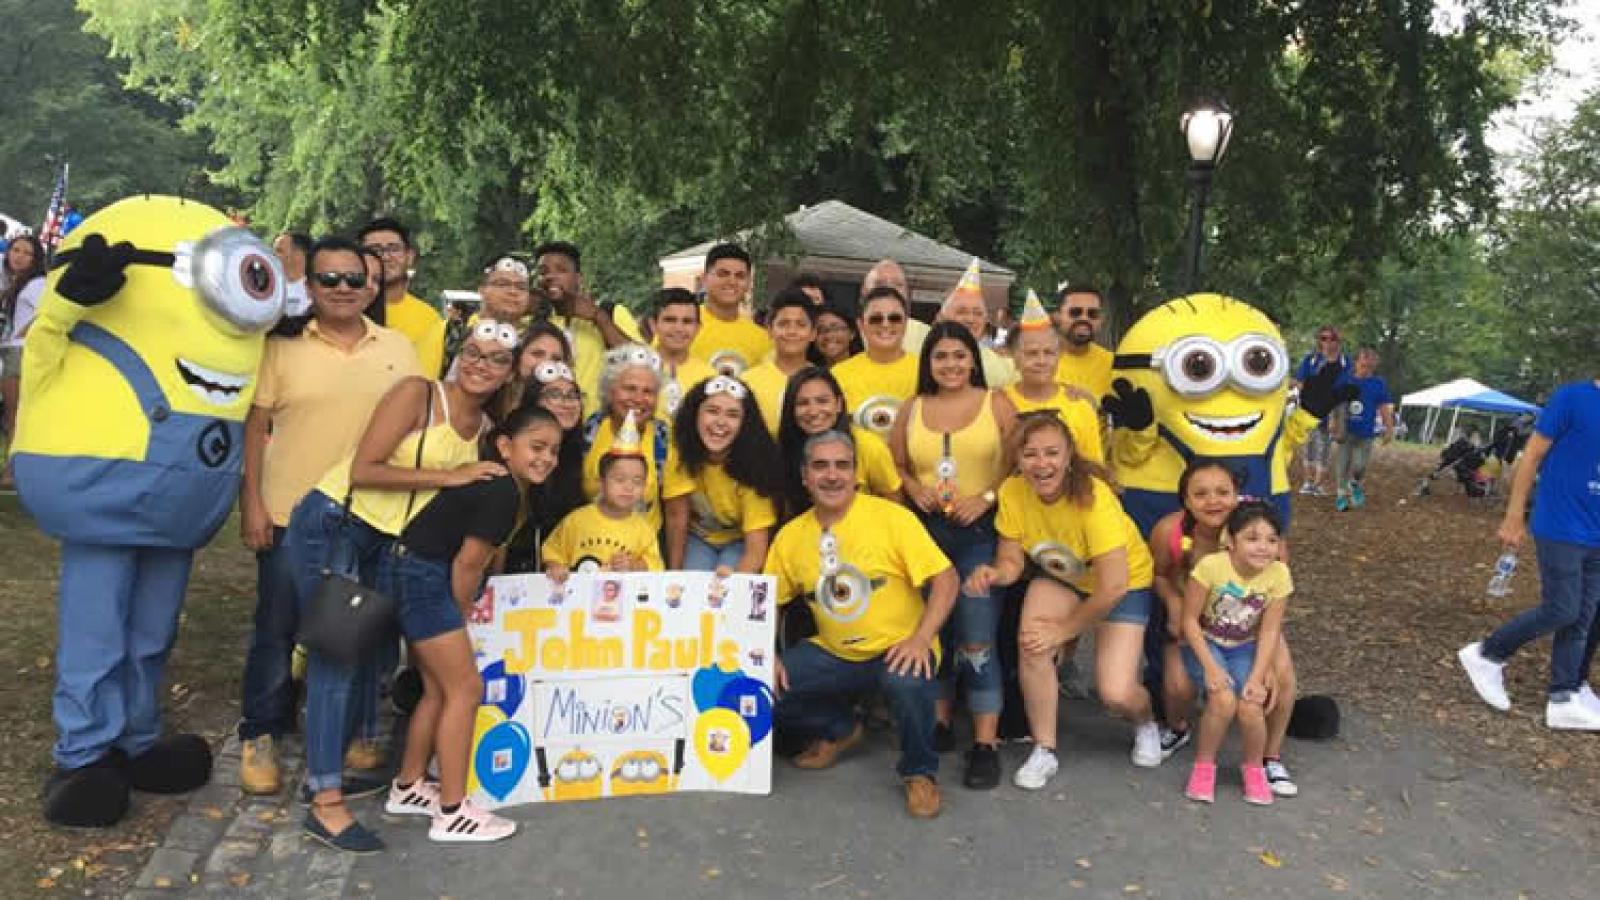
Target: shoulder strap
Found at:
x=422, y=438
x=591, y=428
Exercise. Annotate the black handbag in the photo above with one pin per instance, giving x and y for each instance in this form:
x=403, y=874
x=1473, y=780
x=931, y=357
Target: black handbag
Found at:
x=346, y=619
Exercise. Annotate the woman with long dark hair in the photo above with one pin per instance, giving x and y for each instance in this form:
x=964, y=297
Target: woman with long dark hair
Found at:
x=813, y=403
x=21, y=286
x=719, y=496
x=553, y=387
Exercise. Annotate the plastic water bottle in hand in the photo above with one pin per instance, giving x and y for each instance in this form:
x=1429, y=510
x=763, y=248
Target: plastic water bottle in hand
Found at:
x=1504, y=567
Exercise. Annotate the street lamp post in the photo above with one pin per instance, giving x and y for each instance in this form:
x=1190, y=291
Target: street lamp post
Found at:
x=1206, y=128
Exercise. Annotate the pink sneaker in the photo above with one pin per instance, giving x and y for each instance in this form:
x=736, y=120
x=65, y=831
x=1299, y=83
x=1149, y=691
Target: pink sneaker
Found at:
x=469, y=824
x=421, y=799
x=1202, y=782
x=1256, y=788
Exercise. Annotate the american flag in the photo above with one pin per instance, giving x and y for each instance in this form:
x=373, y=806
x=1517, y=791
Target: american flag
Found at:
x=50, y=232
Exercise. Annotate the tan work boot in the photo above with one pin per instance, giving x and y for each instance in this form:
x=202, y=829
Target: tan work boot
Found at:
x=365, y=755
x=258, y=767
x=823, y=754
x=922, y=797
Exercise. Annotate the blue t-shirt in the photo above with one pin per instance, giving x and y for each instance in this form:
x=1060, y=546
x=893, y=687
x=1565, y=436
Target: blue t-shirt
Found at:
x=1566, y=505
x=1374, y=395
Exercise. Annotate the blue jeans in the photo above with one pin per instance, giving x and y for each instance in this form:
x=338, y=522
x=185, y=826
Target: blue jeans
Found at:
x=968, y=635
x=266, y=704
x=320, y=538
x=820, y=702
x=700, y=556
x=117, y=618
x=1569, y=592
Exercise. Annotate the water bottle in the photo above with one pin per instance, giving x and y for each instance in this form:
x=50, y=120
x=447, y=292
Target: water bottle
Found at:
x=1504, y=567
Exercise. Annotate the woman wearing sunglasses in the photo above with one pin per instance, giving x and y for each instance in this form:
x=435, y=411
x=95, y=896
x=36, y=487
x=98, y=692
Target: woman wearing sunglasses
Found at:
x=720, y=494
x=423, y=436
x=949, y=443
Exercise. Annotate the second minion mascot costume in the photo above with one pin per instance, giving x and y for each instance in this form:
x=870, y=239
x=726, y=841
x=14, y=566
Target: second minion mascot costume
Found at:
x=139, y=371
x=1206, y=376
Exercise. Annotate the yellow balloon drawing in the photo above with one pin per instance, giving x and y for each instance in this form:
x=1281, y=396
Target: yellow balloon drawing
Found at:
x=488, y=717
x=721, y=742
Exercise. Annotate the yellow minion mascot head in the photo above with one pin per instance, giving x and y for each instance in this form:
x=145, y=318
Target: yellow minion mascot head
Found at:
x=138, y=370
x=1207, y=376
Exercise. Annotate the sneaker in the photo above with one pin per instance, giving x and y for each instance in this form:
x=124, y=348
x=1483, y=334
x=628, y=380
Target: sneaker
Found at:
x=1202, y=787
x=469, y=825
x=822, y=754
x=1587, y=695
x=365, y=755
x=983, y=768
x=922, y=797
x=944, y=737
x=354, y=787
x=258, y=767
x=1256, y=790
x=355, y=838
x=1036, y=772
x=1571, y=714
x=1147, y=745
x=1487, y=676
x=420, y=799
x=1173, y=741
x=1358, y=497
x=1278, y=779
x=1308, y=488
x=1341, y=503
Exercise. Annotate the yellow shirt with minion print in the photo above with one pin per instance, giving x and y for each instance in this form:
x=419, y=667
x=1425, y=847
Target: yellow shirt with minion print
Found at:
x=1064, y=538
x=742, y=338
x=861, y=379
x=721, y=510
x=588, y=535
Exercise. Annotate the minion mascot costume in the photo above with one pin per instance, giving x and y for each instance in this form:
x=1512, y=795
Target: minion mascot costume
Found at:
x=1207, y=376
x=139, y=370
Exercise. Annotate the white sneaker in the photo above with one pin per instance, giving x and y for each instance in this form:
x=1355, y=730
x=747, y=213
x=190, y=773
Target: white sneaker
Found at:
x=1571, y=715
x=469, y=825
x=1487, y=676
x=421, y=799
x=1036, y=772
x=1147, y=745
x=1278, y=779
x=1587, y=695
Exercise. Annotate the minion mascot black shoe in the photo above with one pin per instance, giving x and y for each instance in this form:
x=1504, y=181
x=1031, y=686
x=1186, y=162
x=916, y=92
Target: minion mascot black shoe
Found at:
x=144, y=354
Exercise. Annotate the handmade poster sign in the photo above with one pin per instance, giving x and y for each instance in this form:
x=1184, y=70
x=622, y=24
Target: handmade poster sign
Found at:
x=617, y=685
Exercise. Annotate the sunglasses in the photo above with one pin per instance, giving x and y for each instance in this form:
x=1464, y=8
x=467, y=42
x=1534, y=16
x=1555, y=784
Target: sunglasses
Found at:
x=332, y=279
x=1083, y=312
x=890, y=318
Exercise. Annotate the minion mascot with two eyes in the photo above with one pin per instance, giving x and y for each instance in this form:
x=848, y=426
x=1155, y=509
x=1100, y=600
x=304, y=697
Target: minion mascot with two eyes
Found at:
x=138, y=372
x=1207, y=376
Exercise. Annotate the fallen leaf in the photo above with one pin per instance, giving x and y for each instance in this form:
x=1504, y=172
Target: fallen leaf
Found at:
x=163, y=881
x=239, y=880
x=1132, y=888
x=45, y=884
x=211, y=812
x=1085, y=864
x=713, y=872
x=1270, y=860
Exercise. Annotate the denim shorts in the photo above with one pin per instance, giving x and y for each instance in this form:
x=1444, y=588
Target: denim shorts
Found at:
x=1134, y=607
x=1236, y=661
x=421, y=587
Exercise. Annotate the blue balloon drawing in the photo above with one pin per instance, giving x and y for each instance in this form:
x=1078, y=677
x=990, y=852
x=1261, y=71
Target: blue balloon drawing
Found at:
x=502, y=757
x=752, y=701
x=708, y=684
x=501, y=689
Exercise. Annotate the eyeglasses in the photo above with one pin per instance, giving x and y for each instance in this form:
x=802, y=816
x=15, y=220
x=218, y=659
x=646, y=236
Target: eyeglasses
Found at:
x=332, y=279
x=507, y=285
x=471, y=354
x=1091, y=313
x=890, y=318
x=831, y=330
x=386, y=249
x=560, y=396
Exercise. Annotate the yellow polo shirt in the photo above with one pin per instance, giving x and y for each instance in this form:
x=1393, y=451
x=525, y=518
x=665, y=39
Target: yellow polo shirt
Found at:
x=589, y=350
x=424, y=327
x=1090, y=370
x=320, y=397
x=748, y=342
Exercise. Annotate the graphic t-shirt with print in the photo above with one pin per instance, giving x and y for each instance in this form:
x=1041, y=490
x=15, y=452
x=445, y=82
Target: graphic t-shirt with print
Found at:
x=1234, y=603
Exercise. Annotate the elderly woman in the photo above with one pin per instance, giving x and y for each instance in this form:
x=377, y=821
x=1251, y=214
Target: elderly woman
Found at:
x=629, y=383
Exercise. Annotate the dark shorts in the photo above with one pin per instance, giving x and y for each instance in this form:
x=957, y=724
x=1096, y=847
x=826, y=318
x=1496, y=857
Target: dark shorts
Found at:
x=1134, y=607
x=421, y=588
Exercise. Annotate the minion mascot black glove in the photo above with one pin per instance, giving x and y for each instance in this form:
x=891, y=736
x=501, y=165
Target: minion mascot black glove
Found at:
x=139, y=371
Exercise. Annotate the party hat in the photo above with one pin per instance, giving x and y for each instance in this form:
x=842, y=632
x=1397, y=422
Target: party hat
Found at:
x=1033, y=315
x=971, y=282
x=626, y=442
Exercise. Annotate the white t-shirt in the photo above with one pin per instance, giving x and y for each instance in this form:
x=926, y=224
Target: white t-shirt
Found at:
x=21, y=317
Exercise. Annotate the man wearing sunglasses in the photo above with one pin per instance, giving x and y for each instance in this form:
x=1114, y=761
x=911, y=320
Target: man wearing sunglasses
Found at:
x=1319, y=445
x=1084, y=364
x=405, y=313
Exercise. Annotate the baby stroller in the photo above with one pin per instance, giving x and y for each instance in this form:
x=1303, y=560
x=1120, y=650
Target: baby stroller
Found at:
x=1469, y=462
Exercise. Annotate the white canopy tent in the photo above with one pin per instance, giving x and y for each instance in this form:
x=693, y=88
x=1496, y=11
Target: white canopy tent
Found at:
x=1446, y=396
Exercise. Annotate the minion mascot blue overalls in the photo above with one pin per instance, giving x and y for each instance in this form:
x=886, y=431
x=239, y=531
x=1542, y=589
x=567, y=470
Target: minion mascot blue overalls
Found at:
x=138, y=372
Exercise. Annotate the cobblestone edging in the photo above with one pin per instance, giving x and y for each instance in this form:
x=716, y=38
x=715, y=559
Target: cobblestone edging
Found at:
x=228, y=844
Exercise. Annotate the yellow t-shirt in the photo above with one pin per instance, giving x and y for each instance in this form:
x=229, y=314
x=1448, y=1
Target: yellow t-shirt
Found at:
x=604, y=435
x=874, y=600
x=768, y=383
x=1234, y=603
x=1090, y=371
x=587, y=539
x=320, y=398
x=423, y=325
x=861, y=379
x=741, y=342
x=1064, y=538
x=676, y=380
x=876, y=472
x=721, y=510
x=589, y=350
x=1079, y=415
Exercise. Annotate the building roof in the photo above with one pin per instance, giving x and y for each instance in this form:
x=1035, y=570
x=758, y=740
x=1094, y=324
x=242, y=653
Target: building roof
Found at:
x=837, y=230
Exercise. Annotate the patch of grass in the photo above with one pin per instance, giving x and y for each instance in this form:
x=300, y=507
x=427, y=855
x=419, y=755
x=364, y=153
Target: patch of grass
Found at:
x=202, y=696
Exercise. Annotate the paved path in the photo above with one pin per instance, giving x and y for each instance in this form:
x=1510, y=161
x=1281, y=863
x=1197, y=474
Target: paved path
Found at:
x=1383, y=813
